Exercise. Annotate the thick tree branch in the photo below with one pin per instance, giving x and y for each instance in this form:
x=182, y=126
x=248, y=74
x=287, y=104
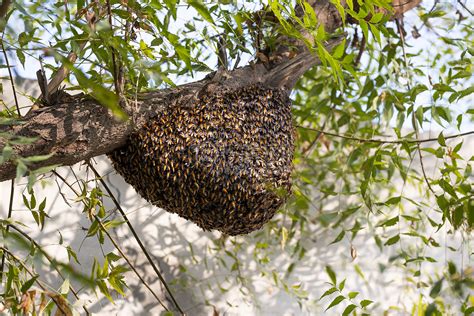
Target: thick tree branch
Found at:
x=79, y=128
x=4, y=8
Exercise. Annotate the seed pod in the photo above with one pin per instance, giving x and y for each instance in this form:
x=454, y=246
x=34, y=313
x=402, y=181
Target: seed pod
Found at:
x=223, y=162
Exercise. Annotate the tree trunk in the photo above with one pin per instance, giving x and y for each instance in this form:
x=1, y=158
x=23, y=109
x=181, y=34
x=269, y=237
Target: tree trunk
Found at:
x=79, y=128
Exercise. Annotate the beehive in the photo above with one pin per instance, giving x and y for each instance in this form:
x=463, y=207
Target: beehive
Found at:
x=222, y=161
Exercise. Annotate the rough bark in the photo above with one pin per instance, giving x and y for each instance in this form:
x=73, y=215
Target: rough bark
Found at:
x=80, y=128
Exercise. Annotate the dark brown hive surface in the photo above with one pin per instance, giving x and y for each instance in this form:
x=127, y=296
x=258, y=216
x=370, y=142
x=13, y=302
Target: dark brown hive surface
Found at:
x=223, y=161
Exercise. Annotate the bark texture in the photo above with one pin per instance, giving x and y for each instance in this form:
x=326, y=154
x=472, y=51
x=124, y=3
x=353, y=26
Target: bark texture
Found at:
x=79, y=128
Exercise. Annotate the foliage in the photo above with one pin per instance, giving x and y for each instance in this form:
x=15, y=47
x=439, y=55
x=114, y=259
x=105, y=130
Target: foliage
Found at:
x=379, y=107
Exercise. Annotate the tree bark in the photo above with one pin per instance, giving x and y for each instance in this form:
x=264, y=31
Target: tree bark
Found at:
x=79, y=128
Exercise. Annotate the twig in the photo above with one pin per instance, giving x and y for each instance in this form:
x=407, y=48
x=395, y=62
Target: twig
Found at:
x=401, y=31
x=51, y=260
x=10, y=75
x=137, y=238
x=381, y=141
x=420, y=156
x=37, y=281
x=465, y=8
x=129, y=262
x=415, y=125
x=115, y=70
x=307, y=149
x=222, y=60
x=363, y=43
x=64, y=70
x=4, y=8
x=423, y=168
x=116, y=246
x=10, y=211
x=12, y=187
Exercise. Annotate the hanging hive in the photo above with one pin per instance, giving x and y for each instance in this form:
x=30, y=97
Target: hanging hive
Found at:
x=223, y=162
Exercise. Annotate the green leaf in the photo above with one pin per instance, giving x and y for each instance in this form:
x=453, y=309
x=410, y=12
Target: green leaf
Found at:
x=365, y=303
x=365, y=28
x=310, y=15
x=350, y=4
x=339, y=237
x=393, y=200
x=72, y=254
x=469, y=311
x=339, y=50
x=6, y=153
x=436, y=288
x=202, y=10
x=26, y=286
x=42, y=205
x=441, y=139
x=458, y=216
x=340, y=9
x=21, y=56
x=335, y=302
x=390, y=222
x=331, y=274
x=447, y=187
x=377, y=17
x=93, y=229
x=101, y=94
x=375, y=31
x=25, y=201
x=104, y=290
x=392, y=240
x=348, y=309
x=419, y=115
x=33, y=201
x=64, y=289
x=328, y=292
x=184, y=55
x=45, y=169
x=342, y=284
x=21, y=169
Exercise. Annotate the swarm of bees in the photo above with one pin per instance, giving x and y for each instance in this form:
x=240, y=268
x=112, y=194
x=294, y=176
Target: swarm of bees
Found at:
x=223, y=162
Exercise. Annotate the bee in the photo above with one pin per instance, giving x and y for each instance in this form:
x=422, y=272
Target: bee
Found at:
x=221, y=160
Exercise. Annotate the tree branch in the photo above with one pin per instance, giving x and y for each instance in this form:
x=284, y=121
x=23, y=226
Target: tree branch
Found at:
x=79, y=128
x=4, y=8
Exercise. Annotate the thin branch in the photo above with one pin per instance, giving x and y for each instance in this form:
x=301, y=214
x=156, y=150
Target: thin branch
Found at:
x=135, y=235
x=51, y=260
x=401, y=31
x=381, y=141
x=124, y=256
x=64, y=70
x=465, y=8
x=15, y=97
x=423, y=168
x=307, y=149
x=37, y=281
x=415, y=124
x=4, y=8
x=115, y=70
x=116, y=246
x=10, y=75
x=10, y=212
x=363, y=43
